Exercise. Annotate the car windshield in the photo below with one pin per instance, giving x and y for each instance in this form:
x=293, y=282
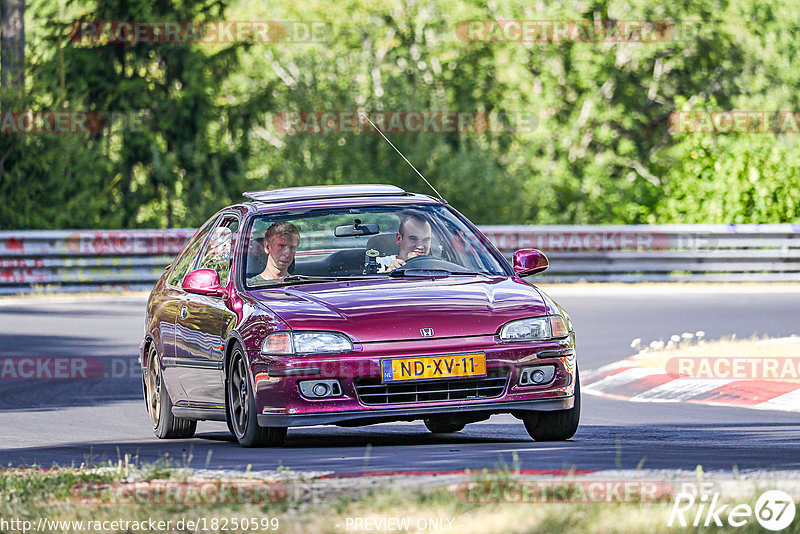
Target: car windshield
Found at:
x=396, y=241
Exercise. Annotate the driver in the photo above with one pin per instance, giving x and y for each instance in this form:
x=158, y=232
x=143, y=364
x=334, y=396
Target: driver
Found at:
x=280, y=244
x=414, y=239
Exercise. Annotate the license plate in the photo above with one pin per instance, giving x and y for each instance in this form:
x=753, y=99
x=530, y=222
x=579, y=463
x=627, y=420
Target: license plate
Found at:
x=432, y=367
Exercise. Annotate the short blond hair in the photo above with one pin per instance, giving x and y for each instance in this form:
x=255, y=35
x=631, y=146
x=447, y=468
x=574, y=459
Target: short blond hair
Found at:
x=281, y=228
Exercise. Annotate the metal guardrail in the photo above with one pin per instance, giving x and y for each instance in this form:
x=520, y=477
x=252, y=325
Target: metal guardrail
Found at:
x=68, y=261
x=659, y=253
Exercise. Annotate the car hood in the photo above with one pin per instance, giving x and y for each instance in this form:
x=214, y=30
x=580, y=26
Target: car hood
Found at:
x=398, y=309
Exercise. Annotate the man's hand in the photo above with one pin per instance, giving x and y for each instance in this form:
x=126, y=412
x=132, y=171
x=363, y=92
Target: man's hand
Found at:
x=396, y=263
x=418, y=251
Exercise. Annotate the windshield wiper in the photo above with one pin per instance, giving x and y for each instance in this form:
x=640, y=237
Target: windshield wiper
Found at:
x=308, y=279
x=292, y=278
x=432, y=272
x=299, y=279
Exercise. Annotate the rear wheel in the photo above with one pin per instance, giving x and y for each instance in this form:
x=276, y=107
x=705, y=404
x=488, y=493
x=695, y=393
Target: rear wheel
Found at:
x=241, y=405
x=443, y=426
x=159, y=405
x=555, y=426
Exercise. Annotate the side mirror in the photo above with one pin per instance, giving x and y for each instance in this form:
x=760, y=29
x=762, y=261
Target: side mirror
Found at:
x=529, y=261
x=203, y=282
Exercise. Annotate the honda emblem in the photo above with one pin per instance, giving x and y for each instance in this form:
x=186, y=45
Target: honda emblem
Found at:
x=426, y=332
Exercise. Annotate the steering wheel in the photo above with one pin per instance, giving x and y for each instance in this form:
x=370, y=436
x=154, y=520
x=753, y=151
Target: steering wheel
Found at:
x=430, y=262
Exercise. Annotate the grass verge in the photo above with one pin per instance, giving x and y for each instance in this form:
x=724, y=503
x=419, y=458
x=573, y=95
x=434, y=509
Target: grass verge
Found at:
x=60, y=495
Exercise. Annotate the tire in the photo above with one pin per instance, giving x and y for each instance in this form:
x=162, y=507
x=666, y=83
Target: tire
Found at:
x=240, y=404
x=443, y=426
x=159, y=405
x=555, y=426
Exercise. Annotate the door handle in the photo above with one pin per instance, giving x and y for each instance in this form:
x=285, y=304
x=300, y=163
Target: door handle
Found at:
x=184, y=312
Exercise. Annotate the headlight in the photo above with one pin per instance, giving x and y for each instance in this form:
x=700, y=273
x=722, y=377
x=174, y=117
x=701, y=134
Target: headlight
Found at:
x=306, y=343
x=534, y=329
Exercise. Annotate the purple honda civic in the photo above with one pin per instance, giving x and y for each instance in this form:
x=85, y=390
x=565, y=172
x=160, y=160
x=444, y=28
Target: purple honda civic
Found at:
x=353, y=305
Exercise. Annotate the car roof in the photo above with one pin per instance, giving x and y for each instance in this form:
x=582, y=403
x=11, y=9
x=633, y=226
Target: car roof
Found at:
x=324, y=191
x=332, y=196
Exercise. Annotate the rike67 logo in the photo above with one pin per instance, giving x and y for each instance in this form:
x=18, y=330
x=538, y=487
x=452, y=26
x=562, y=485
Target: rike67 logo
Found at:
x=774, y=510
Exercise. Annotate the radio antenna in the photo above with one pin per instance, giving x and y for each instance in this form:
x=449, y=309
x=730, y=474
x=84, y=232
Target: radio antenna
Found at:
x=404, y=158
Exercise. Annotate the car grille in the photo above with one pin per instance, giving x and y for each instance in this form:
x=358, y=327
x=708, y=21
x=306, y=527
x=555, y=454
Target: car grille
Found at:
x=372, y=392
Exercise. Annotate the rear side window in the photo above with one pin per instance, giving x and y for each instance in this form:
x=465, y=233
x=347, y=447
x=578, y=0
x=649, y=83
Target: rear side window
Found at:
x=217, y=255
x=189, y=254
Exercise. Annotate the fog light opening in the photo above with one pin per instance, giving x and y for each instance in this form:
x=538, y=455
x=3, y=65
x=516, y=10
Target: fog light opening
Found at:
x=537, y=375
x=320, y=389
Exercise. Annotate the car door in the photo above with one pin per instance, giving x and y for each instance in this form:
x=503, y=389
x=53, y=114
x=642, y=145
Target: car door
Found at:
x=167, y=308
x=204, y=321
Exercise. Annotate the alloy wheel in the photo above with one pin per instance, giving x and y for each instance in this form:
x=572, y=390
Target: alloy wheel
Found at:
x=239, y=394
x=153, y=386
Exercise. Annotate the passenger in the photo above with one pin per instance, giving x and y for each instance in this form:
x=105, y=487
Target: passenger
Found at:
x=280, y=244
x=414, y=239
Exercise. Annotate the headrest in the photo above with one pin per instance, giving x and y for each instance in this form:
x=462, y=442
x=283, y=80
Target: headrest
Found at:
x=256, y=257
x=385, y=243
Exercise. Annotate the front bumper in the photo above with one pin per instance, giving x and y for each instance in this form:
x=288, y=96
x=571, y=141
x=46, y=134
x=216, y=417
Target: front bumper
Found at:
x=410, y=414
x=279, y=401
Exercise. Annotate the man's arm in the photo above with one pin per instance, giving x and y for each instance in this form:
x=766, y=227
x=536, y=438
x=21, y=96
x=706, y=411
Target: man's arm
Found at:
x=389, y=263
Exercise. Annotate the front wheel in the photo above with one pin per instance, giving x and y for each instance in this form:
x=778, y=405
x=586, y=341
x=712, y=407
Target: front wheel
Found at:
x=159, y=405
x=555, y=426
x=241, y=405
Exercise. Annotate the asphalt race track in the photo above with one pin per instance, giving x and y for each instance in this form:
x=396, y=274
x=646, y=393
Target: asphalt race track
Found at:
x=75, y=421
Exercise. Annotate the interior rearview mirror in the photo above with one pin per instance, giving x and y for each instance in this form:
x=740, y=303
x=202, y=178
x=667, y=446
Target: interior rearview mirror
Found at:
x=356, y=229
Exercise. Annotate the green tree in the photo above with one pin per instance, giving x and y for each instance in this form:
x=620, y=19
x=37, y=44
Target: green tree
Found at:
x=601, y=151
x=175, y=147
